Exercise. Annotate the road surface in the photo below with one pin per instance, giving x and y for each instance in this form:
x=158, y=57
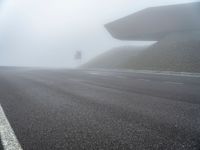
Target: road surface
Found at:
x=58, y=109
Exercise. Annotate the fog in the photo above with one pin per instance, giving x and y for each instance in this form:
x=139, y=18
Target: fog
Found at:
x=49, y=32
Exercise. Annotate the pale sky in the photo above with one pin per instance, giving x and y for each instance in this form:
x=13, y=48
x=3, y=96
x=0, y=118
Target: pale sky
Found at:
x=48, y=32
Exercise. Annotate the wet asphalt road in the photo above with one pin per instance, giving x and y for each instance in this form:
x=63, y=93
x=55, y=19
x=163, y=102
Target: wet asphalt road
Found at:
x=57, y=109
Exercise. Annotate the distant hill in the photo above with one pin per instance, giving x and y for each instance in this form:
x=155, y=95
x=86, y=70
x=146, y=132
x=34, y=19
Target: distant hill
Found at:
x=114, y=58
x=176, y=52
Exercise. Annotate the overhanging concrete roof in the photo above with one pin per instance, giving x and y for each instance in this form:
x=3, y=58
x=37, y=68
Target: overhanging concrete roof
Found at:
x=156, y=22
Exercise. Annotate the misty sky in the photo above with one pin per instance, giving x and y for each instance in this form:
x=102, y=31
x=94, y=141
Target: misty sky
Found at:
x=48, y=32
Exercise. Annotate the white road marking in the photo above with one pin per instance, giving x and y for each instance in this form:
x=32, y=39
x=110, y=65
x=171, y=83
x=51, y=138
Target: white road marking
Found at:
x=106, y=75
x=94, y=73
x=98, y=74
x=8, y=138
x=170, y=82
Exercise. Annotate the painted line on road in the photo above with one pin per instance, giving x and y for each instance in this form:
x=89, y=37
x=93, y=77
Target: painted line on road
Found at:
x=98, y=74
x=143, y=80
x=153, y=72
x=8, y=138
x=107, y=75
x=170, y=82
x=94, y=73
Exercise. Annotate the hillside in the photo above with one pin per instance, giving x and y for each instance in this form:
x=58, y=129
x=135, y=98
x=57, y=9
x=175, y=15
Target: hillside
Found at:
x=114, y=58
x=176, y=52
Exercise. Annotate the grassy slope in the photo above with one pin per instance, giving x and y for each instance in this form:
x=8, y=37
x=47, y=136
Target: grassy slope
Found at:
x=173, y=53
x=177, y=52
x=114, y=58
